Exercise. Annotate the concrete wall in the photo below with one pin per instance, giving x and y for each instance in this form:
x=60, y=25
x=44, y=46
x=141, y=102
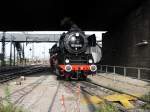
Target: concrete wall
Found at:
x=119, y=45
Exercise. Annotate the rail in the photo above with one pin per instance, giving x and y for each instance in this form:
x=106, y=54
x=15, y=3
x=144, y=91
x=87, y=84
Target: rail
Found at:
x=9, y=74
x=134, y=72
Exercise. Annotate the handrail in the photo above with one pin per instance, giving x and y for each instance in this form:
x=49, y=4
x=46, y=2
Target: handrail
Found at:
x=125, y=70
x=127, y=67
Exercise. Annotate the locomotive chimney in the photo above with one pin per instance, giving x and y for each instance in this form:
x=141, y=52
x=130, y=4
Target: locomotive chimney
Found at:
x=69, y=24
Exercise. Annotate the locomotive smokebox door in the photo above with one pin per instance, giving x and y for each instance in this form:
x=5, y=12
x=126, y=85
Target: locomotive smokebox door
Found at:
x=92, y=40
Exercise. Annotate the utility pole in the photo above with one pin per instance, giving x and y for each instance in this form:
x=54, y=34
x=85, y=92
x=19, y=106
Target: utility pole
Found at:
x=23, y=55
x=3, y=49
x=10, y=52
x=17, y=57
x=14, y=55
x=32, y=52
x=30, y=58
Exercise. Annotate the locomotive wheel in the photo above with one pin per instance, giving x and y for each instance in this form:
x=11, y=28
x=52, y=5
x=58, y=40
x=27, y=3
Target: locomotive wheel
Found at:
x=57, y=72
x=58, y=78
x=67, y=77
x=83, y=78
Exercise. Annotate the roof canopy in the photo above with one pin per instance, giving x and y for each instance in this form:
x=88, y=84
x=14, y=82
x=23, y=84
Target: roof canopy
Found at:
x=46, y=15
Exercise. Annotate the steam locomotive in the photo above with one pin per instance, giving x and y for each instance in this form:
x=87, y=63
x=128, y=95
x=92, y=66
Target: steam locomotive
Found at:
x=75, y=55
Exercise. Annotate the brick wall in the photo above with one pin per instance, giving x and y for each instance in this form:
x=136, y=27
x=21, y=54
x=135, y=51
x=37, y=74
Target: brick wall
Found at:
x=119, y=44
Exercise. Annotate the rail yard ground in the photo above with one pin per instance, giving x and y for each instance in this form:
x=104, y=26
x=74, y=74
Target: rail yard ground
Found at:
x=42, y=92
x=128, y=85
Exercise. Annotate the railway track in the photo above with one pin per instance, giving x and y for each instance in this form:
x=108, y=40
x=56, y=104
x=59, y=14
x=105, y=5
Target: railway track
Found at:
x=9, y=74
x=102, y=92
x=32, y=92
x=117, y=91
x=20, y=94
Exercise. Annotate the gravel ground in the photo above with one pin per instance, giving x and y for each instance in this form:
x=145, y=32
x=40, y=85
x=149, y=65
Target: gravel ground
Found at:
x=43, y=93
x=34, y=94
x=74, y=101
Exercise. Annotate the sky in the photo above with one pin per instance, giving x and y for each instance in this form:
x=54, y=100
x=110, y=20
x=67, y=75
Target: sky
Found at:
x=41, y=50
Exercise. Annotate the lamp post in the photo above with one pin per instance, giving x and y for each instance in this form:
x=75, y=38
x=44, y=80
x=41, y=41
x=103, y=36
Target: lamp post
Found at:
x=31, y=55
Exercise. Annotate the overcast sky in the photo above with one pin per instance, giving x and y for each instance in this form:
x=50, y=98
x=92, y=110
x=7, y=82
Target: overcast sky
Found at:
x=40, y=50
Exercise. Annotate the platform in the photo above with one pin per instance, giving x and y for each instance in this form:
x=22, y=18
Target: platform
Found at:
x=124, y=84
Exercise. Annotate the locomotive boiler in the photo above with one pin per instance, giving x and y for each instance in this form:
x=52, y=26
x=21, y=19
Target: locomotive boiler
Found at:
x=74, y=56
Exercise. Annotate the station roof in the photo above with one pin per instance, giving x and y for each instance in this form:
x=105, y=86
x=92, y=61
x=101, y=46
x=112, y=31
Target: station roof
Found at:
x=45, y=15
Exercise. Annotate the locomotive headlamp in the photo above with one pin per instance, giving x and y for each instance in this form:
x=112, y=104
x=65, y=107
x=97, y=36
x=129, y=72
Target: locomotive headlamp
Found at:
x=90, y=61
x=73, y=38
x=67, y=61
x=68, y=68
x=77, y=34
x=93, y=68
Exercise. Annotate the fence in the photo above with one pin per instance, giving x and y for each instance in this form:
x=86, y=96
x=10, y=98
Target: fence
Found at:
x=134, y=72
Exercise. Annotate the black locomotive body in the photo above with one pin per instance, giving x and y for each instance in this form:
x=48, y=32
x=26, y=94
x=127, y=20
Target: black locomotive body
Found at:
x=71, y=57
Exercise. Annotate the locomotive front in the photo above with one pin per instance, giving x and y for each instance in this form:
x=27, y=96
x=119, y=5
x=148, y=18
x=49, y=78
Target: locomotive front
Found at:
x=75, y=59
